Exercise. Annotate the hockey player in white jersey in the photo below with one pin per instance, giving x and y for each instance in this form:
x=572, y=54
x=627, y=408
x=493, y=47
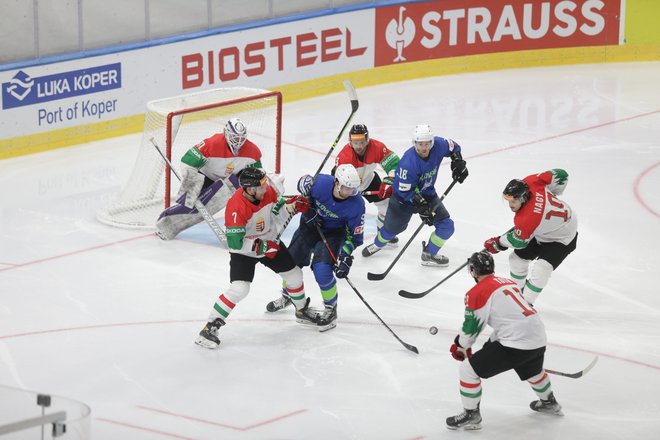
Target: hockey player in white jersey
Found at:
x=517, y=342
x=545, y=230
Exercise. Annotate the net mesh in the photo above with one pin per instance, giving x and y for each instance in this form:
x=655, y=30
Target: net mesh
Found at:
x=193, y=118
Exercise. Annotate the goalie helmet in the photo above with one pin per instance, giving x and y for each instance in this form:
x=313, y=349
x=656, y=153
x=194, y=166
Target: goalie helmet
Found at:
x=251, y=177
x=358, y=132
x=422, y=133
x=481, y=263
x=516, y=189
x=235, y=134
x=347, y=176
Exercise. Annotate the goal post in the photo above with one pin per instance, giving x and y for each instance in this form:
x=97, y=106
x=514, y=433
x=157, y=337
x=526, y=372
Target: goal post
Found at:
x=179, y=123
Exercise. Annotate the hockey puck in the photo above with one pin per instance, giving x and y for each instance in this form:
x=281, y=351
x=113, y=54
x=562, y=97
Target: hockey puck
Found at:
x=433, y=330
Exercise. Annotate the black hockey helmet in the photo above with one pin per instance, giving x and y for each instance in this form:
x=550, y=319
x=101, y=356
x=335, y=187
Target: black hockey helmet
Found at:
x=516, y=189
x=251, y=177
x=481, y=263
x=358, y=132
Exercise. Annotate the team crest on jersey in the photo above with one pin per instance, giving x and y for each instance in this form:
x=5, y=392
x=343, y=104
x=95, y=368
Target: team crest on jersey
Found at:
x=260, y=224
x=358, y=230
x=230, y=169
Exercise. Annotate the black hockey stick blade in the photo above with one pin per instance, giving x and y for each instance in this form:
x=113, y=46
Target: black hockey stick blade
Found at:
x=576, y=375
x=411, y=295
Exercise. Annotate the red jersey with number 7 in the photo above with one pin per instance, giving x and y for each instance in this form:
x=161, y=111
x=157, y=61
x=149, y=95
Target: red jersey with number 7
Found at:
x=544, y=217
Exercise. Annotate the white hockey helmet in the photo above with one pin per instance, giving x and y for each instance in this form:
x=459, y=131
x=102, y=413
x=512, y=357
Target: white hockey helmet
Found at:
x=422, y=133
x=347, y=176
x=235, y=134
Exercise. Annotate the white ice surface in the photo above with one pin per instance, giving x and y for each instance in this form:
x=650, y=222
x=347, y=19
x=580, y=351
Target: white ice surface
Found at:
x=108, y=316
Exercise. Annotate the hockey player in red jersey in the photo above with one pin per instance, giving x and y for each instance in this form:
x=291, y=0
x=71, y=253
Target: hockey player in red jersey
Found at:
x=366, y=154
x=210, y=173
x=254, y=218
x=545, y=230
x=517, y=342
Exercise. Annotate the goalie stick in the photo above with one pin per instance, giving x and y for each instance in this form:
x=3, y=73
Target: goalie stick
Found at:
x=410, y=295
x=354, y=107
x=577, y=374
x=379, y=276
x=334, y=259
x=217, y=230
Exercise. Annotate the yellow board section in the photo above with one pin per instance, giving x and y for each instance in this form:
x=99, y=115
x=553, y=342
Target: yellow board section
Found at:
x=642, y=44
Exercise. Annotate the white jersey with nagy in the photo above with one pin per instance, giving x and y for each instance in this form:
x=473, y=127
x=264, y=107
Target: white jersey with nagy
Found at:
x=544, y=216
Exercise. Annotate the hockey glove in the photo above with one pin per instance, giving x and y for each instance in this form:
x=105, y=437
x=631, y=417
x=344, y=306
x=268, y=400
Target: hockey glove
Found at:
x=385, y=191
x=305, y=184
x=298, y=204
x=493, y=245
x=423, y=208
x=265, y=248
x=459, y=170
x=343, y=266
x=458, y=352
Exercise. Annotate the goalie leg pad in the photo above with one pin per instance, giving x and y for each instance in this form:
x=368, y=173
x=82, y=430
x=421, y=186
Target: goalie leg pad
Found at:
x=178, y=217
x=191, y=186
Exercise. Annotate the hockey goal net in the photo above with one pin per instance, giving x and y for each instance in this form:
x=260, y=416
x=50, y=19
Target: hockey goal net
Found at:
x=178, y=123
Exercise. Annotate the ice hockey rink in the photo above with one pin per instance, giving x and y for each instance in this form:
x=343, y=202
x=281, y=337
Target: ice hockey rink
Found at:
x=108, y=316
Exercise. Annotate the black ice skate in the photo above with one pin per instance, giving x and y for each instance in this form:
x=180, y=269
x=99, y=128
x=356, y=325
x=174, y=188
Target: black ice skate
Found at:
x=469, y=419
x=368, y=251
x=328, y=320
x=208, y=337
x=307, y=315
x=550, y=406
x=433, y=260
x=280, y=303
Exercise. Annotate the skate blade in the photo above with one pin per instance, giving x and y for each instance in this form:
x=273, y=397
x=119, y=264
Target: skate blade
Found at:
x=433, y=264
x=305, y=322
x=470, y=427
x=325, y=328
x=203, y=342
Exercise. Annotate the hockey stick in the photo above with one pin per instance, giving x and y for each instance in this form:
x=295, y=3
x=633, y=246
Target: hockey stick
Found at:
x=576, y=375
x=217, y=230
x=334, y=259
x=354, y=107
x=379, y=276
x=410, y=295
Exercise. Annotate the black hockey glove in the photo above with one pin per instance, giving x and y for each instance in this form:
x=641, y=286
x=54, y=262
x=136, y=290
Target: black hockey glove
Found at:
x=459, y=170
x=423, y=208
x=343, y=266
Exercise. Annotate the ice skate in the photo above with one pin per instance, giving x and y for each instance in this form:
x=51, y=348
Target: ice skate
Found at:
x=433, y=260
x=328, y=320
x=550, y=406
x=307, y=315
x=469, y=419
x=280, y=303
x=368, y=251
x=208, y=337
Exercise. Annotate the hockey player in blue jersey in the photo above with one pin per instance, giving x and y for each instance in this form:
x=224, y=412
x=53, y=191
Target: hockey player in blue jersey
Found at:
x=338, y=209
x=414, y=191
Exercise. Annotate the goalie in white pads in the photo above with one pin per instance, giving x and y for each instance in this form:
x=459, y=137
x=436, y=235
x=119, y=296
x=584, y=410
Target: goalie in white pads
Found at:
x=517, y=342
x=210, y=173
x=254, y=217
x=545, y=230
